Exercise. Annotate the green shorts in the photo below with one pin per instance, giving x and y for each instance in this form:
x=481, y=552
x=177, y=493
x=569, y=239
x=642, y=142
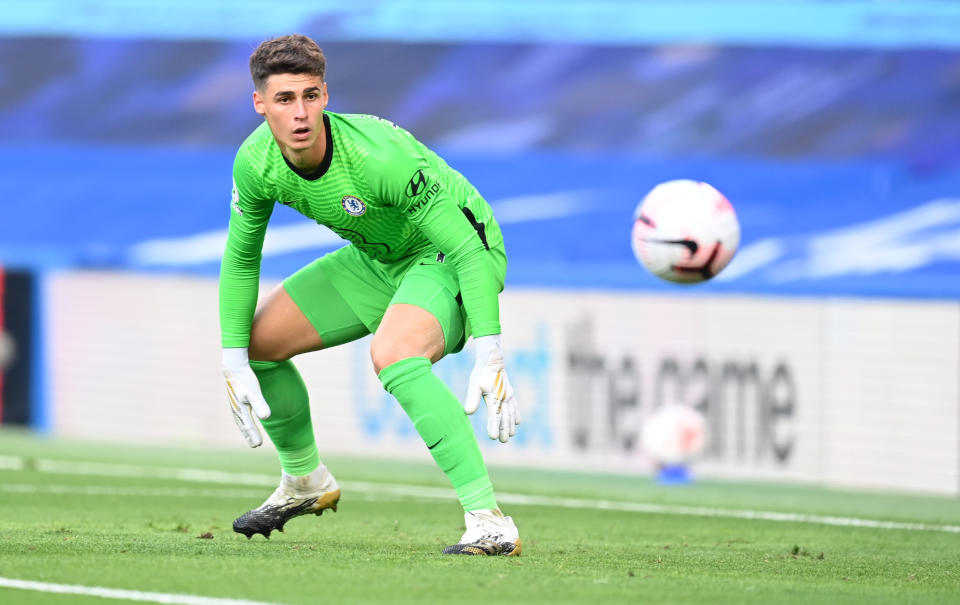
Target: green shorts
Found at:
x=344, y=294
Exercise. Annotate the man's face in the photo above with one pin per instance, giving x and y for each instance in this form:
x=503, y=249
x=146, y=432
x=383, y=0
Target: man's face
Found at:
x=293, y=105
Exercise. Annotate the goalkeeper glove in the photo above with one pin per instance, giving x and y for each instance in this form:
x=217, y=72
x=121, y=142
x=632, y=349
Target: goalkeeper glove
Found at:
x=243, y=391
x=488, y=381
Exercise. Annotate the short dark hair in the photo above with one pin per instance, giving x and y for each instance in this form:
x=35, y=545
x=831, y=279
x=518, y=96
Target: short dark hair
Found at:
x=293, y=54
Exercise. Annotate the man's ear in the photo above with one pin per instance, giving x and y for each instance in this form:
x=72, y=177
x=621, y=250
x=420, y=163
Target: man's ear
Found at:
x=258, y=105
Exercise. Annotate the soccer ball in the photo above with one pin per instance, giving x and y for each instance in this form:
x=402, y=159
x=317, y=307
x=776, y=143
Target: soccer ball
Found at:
x=673, y=434
x=685, y=231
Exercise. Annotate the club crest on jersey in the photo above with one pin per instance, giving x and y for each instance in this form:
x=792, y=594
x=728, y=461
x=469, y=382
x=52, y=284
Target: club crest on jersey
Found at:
x=353, y=205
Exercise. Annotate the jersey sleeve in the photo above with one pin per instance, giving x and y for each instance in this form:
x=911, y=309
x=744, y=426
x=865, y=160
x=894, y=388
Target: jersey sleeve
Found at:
x=240, y=267
x=411, y=184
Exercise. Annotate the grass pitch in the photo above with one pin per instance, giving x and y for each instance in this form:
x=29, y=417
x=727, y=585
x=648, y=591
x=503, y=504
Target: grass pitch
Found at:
x=159, y=521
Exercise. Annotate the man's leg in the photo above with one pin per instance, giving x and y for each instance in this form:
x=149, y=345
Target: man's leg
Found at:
x=409, y=339
x=304, y=314
x=280, y=331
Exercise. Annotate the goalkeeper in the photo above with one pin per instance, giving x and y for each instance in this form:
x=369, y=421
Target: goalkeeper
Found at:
x=422, y=272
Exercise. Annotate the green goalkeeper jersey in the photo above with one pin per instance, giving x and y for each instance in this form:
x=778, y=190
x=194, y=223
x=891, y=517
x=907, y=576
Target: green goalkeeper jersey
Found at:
x=377, y=187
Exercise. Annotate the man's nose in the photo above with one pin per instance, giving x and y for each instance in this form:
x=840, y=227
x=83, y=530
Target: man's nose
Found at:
x=300, y=110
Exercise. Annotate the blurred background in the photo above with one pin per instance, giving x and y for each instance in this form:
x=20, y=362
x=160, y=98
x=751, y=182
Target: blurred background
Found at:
x=827, y=353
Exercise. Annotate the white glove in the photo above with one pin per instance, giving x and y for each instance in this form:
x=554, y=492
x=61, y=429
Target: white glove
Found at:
x=488, y=381
x=243, y=391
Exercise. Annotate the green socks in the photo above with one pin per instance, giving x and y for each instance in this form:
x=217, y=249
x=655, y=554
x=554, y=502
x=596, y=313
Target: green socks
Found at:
x=431, y=405
x=443, y=425
x=289, y=425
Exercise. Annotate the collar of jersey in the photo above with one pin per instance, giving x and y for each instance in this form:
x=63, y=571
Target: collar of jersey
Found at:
x=327, y=156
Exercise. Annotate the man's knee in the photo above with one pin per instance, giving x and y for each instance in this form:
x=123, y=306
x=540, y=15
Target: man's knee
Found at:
x=388, y=351
x=266, y=354
x=384, y=353
x=406, y=331
x=264, y=348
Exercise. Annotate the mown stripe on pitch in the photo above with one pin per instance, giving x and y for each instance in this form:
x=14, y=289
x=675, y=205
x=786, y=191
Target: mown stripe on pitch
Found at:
x=384, y=489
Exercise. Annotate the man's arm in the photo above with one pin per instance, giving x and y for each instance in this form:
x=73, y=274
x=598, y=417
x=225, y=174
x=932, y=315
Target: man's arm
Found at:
x=440, y=218
x=240, y=266
x=448, y=228
x=239, y=287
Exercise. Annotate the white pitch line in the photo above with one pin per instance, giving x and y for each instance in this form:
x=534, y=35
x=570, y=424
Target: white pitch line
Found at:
x=703, y=511
x=104, y=469
x=125, y=595
x=392, y=489
x=359, y=491
x=136, y=492
x=11, y=463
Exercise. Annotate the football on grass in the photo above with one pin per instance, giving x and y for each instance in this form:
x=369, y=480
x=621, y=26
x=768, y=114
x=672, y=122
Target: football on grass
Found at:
x=685, y=231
